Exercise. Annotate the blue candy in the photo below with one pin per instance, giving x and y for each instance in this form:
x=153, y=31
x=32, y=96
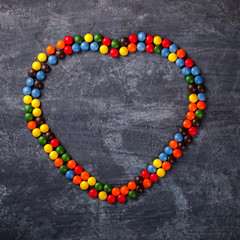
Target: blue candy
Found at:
x=76, y=47
x=198, y=79
x=27, y=90
x=52, y=60
x=168, y=150
x=84, y=46
x=29, y=82
x=36, y=93
x=40, y=75
x=178, y=137
x=69, y=174
x=201, y=97
x=180, y=62
x=173, y=48
x=163, y=157
x=165, y=52
x=141, y=47
x=141, y=36
x=195, y=71
x=151, y=169
x=186, y=71
x=94, y=46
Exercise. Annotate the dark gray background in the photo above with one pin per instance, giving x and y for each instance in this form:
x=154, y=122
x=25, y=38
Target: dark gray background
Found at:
x=114, y=116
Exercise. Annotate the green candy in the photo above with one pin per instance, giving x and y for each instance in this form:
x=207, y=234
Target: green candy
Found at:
x=132, y=194
x=66, y=157
x=199, y=114
x=107, y=188
x=28, y=117
x=28, y=108
x=115, y=44
x=60, y=150
x=157, y=49
x=63, y=169
x=98, y=38
x=189, y=79
x=99, y=186
x=42, y=140
x=78, y=39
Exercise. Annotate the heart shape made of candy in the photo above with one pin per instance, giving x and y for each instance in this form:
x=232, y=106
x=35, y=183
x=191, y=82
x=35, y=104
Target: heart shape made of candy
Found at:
x=63, y=160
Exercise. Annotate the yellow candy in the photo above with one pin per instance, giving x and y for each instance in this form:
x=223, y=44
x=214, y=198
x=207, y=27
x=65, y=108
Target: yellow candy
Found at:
x=172, y=57
x=103, y=49
x=91, y=181
x=88, y=37
x=27, y=99
x=44, y=128
x=53, y=155
x=84, y=185
x=42, y=57
x=36, y=66
x=157, y=163
x=37, y=112
x=161, y=172
x=36, y=132
x=102, y=195
x=157, y=40
x=123, y=51
x=48, y=148
x=35, y=103
x=193, y=98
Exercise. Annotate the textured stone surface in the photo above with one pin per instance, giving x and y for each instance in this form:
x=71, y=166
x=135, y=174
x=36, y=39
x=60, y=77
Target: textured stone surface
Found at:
x=115, y=115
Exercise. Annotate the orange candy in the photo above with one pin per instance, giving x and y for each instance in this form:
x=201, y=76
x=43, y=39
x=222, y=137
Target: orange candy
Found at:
x=85, y=175
x=190, y=115
x=77, y=179
x=50, y=49
x=31, y=125
x=166, y=165
x=61, y=44
x=177, y=153
x=147, y=183
x=116, y=191
x=132, y=185
x=124, y=190
x=132, y=47
x=58, y=162
x=201, y=105
x=173, y=144
x=192, y=107
x=181, y=53
x=187, y=123
x=71, y=164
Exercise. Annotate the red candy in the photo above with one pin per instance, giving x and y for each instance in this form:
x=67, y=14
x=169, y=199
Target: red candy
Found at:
x=150, y=48
x=68, y=50
x=121, y=198
x=106, y=41
x=189, y=62
x=78, y=170
x=113, y=52
x=177, y=153
x=149, y=39
x=154, y=177
x=68, y=40
x=54, y=142
x=111, y=199
x=133, y=38
x=192, y=131
x=93, y=193
x=166, y=43
x=145, y=174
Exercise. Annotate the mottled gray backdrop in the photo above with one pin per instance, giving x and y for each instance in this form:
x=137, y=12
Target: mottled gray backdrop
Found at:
x=114, y=116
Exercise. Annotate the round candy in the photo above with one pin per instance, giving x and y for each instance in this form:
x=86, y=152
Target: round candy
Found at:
x=165, y=52
x=150, y=48
x=69, y=174
x=145, y=174
x=52, y=60
x=61, y=44
x=177, y=153
x=138, y=180
x=192, y=131
x=149, y=39
x=36, y=66
x=199, y=114
x=60, y=54
x=186, y=71
x=102, y=195
x=48, y=148
x=49, y=135
x=123, y=51
x=68, y=50
x=189, y=63
x=193, y=98
x=98, y=38
x=190, y=115
x=196, y=122
x=107, y=188
x=27, y=90
x=133, y=194
x=183, y=131
x=171, y=158
x=124, y=190
x=111, y=199
x=58, y=162
x=116, y=191
x=181, y=53
x=54, y=142
x=28, y=108
x=78, y=39
x=151, y=169
x=31, y=125
x=84, y=46
x=173, y=48
x=78, y=170
x=38, y=84
x=189, y=79
x=201, y=97
x=35, y=93
x=133, y=38
x=121, y=198
x=63, y=169
x=147, y=183
x=168, y=150
x=113, y=52
x=178, y=137
x=132, y=185
x=93, y=193
x=45, y=68
x=53, y=154
x=124, y=41
x=192, y=107
x=140, y=189
x=85, y=175
x=76, y=47
x=28, y=117
x=141, y=47
x=157, y=163
x=153, y=177
x=76, y=179
x=44, y=128
x=115, y=44
x=37, y=112
x=36, y=132
x=99, y=186
x=173, y=144
x=187, y=123
x=179, y=62
x=195, y=71
x=42, y=57
x=161, y=172
x=166, y=165
x=31, y=73
x=84, y=185
x=198, y=79
x=141, y=36
x=92, y=181
x=166, y=43
x=60, y=150
x=172, y=57
x=40, y=75
x=66, y=157
x=29, y=82
x=192, y=87
x=132, y=47
x=200, y=88
x=103, y=49
x=39, y=121
x=94, y=46
x=106, y=41
x=157, y=40
x=68, y=40
x=157, y=49
x=50, y=50
x=71, y=164
x=163, y=157
x=201, y=105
